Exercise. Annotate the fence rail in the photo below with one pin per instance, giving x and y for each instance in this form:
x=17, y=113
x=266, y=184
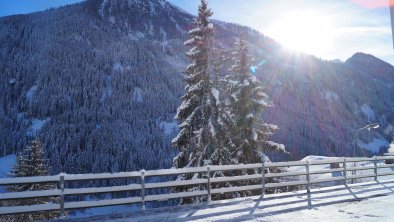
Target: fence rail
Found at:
x=62, y=178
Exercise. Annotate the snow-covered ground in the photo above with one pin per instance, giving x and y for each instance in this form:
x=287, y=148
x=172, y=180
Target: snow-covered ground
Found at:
x=337, y=174
x=6, y=164
x=31, y=92
x=370, y=201
x=169, y=127
x=102, y=211
x=391, y=148
x=368, y=111
x=375, y=145
x=36, y=126
x=317, y=168
x=325, y=203
x=137, y=95
x=329, y=201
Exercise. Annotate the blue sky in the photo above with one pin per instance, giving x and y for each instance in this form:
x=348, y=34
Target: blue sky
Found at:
x=328, y=29
x=336, y=28
x=12, y=7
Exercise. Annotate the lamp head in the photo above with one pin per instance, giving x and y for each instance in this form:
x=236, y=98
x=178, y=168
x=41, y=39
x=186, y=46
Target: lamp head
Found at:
x=374, y=126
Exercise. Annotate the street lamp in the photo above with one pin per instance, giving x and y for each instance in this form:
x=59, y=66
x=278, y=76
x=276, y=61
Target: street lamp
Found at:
x=368, y=127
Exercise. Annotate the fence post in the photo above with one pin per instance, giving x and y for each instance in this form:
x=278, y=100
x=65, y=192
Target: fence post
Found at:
x=354, y=173
x=345, y=171
x=209, y=183
x=263, y=179
x=61, y=197
x=143, y=188
x=308, y=179
x=376, y=168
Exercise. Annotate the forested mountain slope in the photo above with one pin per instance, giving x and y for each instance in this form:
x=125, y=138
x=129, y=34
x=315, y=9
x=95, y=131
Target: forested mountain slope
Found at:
x=99, y=82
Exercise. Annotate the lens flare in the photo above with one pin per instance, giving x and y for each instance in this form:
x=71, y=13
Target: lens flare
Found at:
x=374, y=3
x=309, y=31
x=253, y=69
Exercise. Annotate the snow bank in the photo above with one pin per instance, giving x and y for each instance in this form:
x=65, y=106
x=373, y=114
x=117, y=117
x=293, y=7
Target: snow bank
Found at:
x=176, y=24
x=107, y=90
x=319, y=168
x=368, y=111
x=391, y=147
x=364, y=202
x=137, y=95
x=315, y=158
x=12, y=81
x=136, y=35
x=176, y=62
x=150, y=28
x=331, y=96
x=20, y=116
x=6, y=165
x=112, y=19
x=388, y=129
x=165, y=41
x=215, y=94
x=30, y=94
x=36, y=125
x=117, y=66
x=103, y=211
x=102, y=7
x=169, y=127
x=375, y=145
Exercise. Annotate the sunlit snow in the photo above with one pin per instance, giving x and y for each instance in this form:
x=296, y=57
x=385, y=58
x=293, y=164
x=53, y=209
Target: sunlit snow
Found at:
x=137, y=95
x=367, y=202
x=368, y=111
x=30, y=94
x=375, y=145
x=36, y=125
x=169, y=127
x=6, y=164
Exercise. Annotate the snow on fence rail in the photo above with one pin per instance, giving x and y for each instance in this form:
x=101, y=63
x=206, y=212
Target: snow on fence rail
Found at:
x=62, y=178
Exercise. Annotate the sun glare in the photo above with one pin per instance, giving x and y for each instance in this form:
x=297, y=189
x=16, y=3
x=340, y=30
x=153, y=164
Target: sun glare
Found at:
x=306, y=31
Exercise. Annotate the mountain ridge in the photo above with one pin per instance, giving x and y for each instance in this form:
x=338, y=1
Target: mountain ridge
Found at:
x=101, y=93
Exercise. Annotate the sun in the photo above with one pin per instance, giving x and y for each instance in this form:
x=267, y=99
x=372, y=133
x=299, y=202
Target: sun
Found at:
x=304, y=30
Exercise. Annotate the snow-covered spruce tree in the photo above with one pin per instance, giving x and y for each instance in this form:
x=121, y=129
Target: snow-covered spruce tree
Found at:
x=246, y=103
x=201, y=140
x=391, y=151
x=218, y=59
x=391, y=147
x=31, y=163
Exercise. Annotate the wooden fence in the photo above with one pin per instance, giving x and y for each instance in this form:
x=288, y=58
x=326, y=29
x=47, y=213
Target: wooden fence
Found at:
x=343, y=166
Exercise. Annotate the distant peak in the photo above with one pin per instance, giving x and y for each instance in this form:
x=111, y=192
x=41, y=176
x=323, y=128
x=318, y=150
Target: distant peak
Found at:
x=361, y=55
x=371, y=65
x=336, y=61
x=361, y=58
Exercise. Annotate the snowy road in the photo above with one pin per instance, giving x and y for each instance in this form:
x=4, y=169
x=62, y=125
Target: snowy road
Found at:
x=370, y=201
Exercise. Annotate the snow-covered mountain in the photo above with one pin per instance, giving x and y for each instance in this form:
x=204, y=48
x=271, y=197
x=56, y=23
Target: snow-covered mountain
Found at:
x=320, y=104
x=99, y=82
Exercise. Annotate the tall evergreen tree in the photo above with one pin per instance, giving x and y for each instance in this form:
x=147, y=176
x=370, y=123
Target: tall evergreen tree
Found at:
x=391, y=151
x=201, y=140
x=246, y=103
x=218, y=60
x=31, y=163
x=391, y=147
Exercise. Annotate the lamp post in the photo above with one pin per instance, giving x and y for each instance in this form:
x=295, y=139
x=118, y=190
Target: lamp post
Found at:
x=368, y=127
